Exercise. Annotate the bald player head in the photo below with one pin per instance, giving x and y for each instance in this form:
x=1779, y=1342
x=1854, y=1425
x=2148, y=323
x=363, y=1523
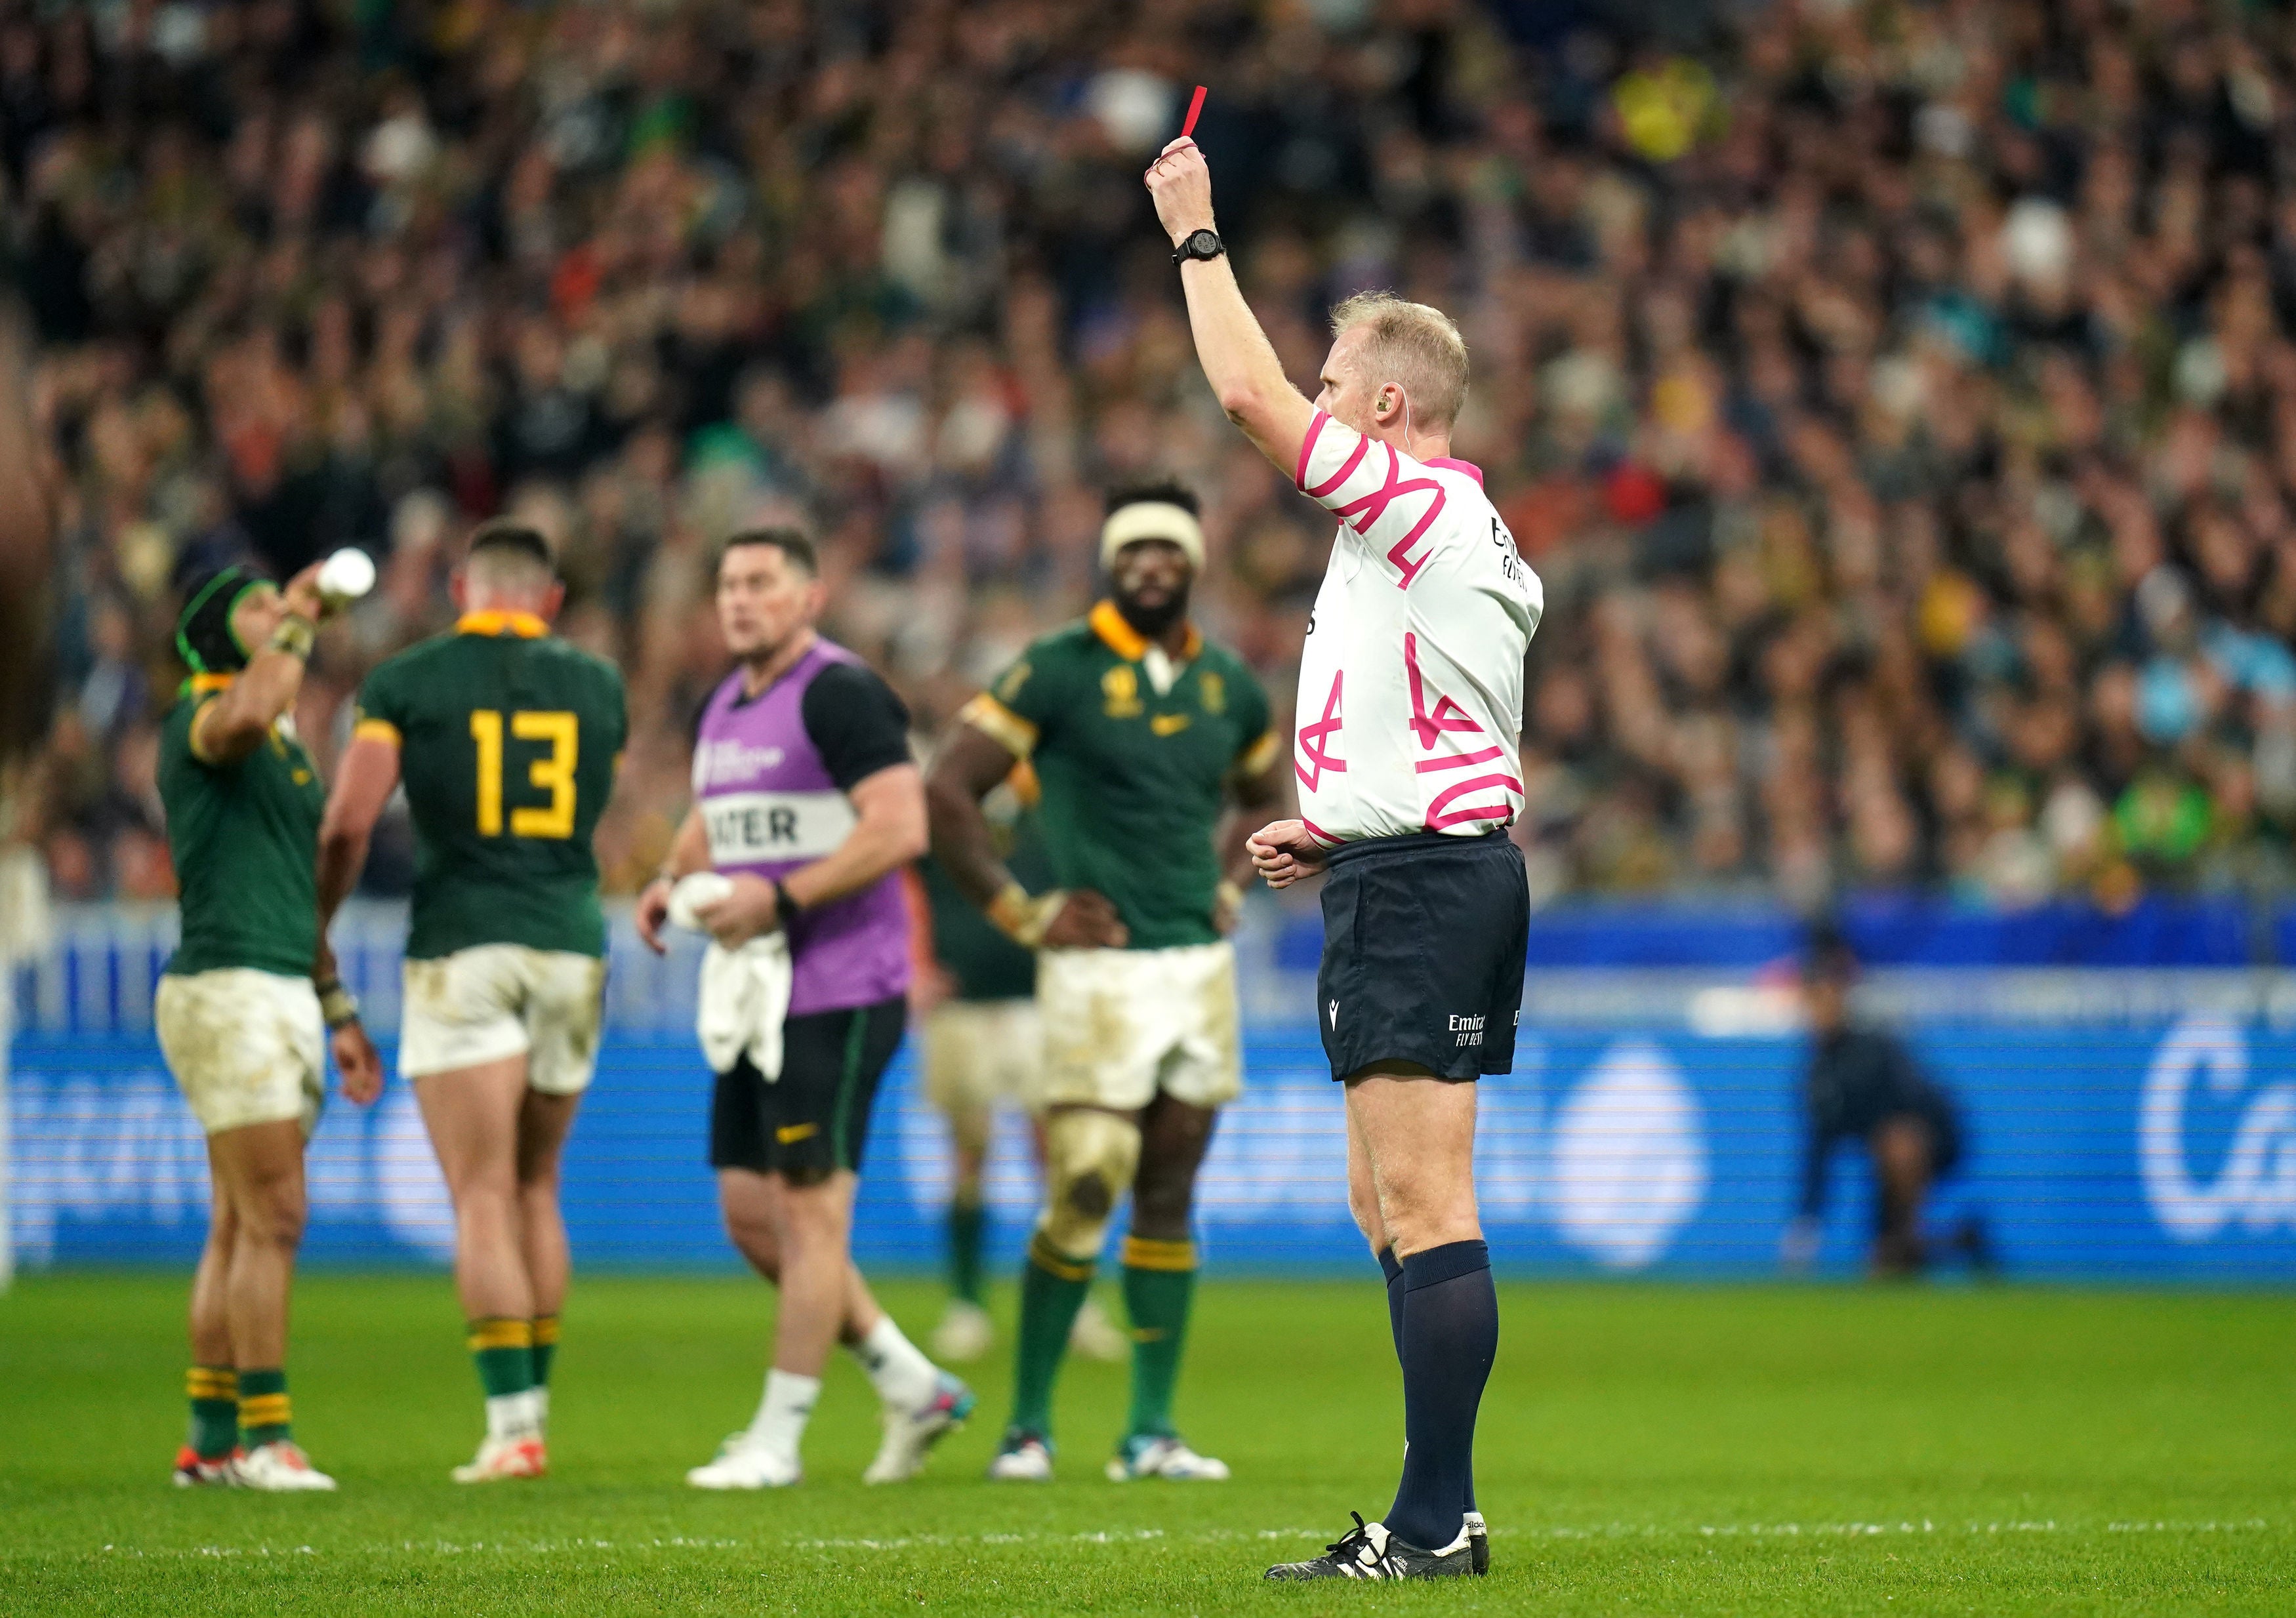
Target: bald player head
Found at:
x=1398, y=369
x=509, y=568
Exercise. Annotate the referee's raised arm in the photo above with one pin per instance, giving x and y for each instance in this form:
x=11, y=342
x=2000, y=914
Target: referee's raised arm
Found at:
x=1237, y=358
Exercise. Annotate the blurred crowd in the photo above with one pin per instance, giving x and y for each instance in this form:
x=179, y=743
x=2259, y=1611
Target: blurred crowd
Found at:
x=1896, y=398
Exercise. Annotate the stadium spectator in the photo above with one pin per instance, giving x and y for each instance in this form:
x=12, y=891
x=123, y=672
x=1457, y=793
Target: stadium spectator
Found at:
x=1900, y=403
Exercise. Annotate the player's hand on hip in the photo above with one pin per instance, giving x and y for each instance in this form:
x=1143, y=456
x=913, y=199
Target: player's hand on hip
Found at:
x=653, y=910
x=1283, y=851
x=1181, y=183
x=1087, y=921
x=356, y=1058
x=748, y=912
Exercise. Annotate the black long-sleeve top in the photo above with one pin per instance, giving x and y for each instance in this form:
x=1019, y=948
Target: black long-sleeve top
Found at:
x=1857, y=1078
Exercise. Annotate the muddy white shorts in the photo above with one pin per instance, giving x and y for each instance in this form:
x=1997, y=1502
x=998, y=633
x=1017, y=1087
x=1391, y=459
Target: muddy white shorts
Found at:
x=496, y=1000
x=246, y=1047
x=1122, y=1024
x=979, y=1053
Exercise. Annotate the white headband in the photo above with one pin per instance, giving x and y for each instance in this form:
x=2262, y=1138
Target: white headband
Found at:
x=1152, y=519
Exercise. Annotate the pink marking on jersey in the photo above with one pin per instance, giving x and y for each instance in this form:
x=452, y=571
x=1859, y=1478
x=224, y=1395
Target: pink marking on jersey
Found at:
x=1449, y=464
x=1312, y=743
x=1437, y=819
x=1457, y=761
x=1343, y=475
x=1306, y=448
x=1448, y=715
x=1361, y=514
x=1319, y=834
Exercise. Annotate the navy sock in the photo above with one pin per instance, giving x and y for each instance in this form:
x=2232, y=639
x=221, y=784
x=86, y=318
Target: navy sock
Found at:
x=1450, y=1336
x=1393, y=1268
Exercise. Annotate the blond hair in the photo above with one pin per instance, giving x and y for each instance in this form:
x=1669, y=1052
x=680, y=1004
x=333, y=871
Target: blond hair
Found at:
x=1415, y=344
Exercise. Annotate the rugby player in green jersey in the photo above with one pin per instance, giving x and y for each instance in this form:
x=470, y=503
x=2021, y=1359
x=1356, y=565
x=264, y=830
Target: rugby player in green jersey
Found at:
x=242, y=1009
x=507, y=738
x=979, y=1045
x=1140, y=731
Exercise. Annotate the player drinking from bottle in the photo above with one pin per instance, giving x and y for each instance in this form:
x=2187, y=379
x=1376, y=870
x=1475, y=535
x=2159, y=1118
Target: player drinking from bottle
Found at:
x=1140, y=731
x=241, y=1010
x=805, y=796
x=507, y=738
x=1410, y=722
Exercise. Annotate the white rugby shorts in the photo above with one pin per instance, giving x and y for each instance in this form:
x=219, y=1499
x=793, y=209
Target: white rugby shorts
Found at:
x=1122, y=1024
x=246, y=1046
x=978, y=1052
x=496, y=1000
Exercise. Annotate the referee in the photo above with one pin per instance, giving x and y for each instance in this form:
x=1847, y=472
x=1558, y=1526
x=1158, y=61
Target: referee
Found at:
x=1407, y=754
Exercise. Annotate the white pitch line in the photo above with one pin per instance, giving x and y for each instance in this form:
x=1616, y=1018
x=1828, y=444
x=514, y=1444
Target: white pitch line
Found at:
x=1213, y=1536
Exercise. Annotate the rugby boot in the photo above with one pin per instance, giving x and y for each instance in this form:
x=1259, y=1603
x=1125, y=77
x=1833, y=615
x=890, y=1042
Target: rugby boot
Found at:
x=910, y=1433
x=1023, y=1458
x=964, y=1334
x=193, y=1471
x=279, y=1468
x=1479, y=1545
x=1368, y=1551
x=746, y=1462
x=499, y=1458
x=1154, y=1455
x=1095, y=1336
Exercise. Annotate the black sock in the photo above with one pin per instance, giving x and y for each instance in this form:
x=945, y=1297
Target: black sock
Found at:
x=1393, y=1268
x=1450, y=1335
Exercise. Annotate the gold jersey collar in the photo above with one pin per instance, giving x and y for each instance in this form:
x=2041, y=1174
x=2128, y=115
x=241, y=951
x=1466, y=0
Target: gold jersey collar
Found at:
x=523, y=625
x=1127, y=642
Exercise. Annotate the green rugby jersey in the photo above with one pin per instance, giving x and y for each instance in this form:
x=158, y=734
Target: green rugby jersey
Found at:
x=507, y=740
x=244, y=837
x=986, y=964
x=1134, y=779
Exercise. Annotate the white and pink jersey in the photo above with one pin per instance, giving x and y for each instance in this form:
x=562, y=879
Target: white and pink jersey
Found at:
x=1411, y=680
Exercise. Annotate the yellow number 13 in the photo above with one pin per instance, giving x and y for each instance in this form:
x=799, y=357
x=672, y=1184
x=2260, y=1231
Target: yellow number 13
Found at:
x=553, y=772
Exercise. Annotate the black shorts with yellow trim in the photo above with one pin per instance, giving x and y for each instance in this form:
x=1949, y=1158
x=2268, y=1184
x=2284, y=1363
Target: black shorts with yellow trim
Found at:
x=814, y=1118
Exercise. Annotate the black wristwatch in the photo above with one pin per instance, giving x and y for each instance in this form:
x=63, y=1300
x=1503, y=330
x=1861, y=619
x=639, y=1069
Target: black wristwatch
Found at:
x=1199, y=244
x=785, y=907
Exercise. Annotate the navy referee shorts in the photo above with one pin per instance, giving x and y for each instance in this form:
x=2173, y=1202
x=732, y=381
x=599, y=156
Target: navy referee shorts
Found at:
x=1423, y=942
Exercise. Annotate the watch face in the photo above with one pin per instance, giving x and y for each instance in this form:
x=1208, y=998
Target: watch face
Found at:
x=1202, y=244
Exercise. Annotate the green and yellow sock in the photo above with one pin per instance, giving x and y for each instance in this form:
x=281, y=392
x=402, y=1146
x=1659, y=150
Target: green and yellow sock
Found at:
x=264, y=1416
x=546, y=1347
x=966, y=1221
x=504, y=1351
x=1160, y=1284
x=214, y=1393
x=1053, y=1288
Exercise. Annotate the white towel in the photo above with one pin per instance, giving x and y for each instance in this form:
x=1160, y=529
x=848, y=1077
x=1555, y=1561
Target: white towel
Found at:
x=745, y=995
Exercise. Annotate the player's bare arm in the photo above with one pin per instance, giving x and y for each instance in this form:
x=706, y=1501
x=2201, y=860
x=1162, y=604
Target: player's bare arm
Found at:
x=364, y=780
x=1238, y=360
x=234, y=723
x=968, y=768
x=889, y=832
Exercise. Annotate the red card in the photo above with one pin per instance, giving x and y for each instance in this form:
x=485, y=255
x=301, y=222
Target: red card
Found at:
x=1195, y=105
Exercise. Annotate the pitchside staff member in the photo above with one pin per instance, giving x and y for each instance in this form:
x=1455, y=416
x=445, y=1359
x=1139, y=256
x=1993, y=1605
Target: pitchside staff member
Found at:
x=1410, y=715
x=805, y=795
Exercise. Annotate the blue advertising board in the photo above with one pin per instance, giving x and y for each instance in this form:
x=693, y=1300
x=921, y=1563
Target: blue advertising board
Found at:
x=2158, y=1151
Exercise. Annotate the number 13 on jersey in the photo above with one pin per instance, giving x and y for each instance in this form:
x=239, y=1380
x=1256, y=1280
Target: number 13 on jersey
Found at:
x=553, y=771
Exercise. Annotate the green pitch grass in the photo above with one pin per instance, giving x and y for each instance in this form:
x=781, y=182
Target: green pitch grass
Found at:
x=1644, y=1449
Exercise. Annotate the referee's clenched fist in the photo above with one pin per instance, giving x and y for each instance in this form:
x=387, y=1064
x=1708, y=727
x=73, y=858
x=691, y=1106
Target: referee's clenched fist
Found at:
x=1181, y=181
